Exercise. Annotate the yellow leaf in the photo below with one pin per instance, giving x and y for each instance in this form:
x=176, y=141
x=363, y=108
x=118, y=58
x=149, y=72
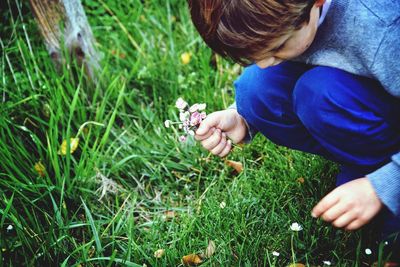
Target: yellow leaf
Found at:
x=238, y=166
x=74, y=142
x=185, y=58
x=210, y=249
x=192, y=260
x=159, y=253
x=300, y=180
x=297, y=265
x=40, y=169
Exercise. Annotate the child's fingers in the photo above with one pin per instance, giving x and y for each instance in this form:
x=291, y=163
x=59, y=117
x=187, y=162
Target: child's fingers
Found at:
x=226, y=149
x=334, y=212
x=212, y=141
x=204, y=136
x=328, y=201
x=209, y=122
x=354, y=225
x=344, y=220
x=220, y=146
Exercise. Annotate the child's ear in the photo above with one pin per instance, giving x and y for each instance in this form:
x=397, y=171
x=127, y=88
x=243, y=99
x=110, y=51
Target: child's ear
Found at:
x=319, y=3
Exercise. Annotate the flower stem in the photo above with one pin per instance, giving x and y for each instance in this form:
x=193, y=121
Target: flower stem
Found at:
x=292, y=247
x=86, y=123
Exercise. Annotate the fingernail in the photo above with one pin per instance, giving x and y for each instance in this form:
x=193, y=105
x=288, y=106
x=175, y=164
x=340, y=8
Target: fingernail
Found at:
x=313, y=215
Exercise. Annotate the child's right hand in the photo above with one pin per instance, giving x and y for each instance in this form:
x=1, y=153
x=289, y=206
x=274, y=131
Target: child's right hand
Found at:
x=217, y=127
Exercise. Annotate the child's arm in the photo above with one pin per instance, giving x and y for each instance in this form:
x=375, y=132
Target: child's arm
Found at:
x=219, y=129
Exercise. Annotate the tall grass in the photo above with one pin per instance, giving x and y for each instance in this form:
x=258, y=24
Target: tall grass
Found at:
x=131, y=188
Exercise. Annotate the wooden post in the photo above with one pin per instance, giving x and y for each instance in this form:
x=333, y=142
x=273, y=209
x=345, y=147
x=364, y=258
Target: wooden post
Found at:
x=65, y=20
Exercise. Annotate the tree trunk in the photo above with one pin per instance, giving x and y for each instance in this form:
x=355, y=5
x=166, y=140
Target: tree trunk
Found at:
x=65, y=20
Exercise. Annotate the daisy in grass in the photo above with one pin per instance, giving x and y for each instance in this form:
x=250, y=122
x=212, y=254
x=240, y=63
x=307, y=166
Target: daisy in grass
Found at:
x=190, y=118
x=296, y=227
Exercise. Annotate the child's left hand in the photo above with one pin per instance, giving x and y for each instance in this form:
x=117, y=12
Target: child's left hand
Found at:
x=350, y=205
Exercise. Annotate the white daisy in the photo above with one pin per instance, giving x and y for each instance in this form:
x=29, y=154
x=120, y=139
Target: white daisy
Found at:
x=296, y=227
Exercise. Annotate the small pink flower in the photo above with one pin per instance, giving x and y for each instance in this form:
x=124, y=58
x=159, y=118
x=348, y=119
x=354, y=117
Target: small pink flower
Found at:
x=203, y=115
x=180, y=103
x=182, y=138
x=195, y=119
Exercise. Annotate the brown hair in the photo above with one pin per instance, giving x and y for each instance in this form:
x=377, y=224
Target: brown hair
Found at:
x=244, y=30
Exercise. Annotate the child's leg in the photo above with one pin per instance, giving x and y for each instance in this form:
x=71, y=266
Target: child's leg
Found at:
x=354, y=119
x=264, y=99
x=325, y=111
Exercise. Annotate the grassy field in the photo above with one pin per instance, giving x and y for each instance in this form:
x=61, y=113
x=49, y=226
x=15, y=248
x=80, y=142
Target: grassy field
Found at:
x=131, y=188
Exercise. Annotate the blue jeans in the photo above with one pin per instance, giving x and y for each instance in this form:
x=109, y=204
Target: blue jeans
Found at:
x=346, y=118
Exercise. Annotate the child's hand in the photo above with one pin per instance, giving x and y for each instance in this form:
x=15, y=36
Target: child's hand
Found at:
x=349, y=206
x=217, y=127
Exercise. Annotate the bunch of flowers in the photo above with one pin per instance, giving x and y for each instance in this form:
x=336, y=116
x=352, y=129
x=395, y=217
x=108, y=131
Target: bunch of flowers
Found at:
x=190, y=118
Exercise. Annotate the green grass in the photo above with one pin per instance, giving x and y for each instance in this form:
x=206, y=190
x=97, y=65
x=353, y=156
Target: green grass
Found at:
x=59, y=219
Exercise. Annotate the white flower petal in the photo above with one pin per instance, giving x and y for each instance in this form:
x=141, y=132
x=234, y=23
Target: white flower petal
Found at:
x=202, y=106
x=275, y=253
x=296, y=227
x=368, y=251
x=194, y=108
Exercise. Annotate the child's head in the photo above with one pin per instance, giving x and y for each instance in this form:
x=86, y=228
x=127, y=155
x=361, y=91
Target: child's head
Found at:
x=261, y=31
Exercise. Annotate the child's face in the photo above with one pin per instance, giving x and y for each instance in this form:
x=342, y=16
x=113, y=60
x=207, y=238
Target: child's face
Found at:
x=294, y=44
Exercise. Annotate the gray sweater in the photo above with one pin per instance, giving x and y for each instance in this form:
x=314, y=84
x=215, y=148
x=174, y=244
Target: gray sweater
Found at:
x=363, y=37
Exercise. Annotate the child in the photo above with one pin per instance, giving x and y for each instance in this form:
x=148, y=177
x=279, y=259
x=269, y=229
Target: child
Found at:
x=326, y=80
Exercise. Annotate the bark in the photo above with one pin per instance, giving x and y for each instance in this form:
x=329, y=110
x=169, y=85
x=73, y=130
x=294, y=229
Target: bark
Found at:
x=63, y=24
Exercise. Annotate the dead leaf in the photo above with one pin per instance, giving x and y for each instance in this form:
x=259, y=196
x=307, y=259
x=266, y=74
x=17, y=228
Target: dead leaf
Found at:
x=159, y=253
x=210, y=250
x=297, y=265
x=300, y=180
x=238, y=166
x=73, y=145
x=40, y=169
x=169, y=215
x=91, y=251
x=386, y=264
x=192, y=260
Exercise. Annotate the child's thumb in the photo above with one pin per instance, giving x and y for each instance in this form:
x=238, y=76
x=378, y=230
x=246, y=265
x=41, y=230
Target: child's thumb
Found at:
x=209, y=122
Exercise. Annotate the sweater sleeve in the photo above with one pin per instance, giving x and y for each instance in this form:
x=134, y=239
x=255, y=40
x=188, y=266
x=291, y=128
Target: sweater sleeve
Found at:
x=386, y=69
x=386, y=182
